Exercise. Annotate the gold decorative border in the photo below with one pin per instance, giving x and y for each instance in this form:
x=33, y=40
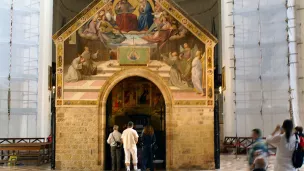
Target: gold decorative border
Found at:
x=80, y=102
x=85, y=15
x=190, y=103
x=59, y=71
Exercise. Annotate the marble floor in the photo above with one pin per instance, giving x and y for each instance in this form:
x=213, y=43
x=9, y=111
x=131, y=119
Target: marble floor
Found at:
x=228, y=163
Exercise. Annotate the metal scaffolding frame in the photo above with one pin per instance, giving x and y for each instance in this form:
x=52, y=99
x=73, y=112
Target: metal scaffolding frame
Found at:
x=19, y=88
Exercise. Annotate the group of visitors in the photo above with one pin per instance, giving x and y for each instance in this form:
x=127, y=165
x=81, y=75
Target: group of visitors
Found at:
x=128, y=140
x=286, y=139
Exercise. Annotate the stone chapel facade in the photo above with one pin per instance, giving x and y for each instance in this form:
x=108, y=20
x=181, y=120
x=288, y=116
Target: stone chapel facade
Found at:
x=81, y=105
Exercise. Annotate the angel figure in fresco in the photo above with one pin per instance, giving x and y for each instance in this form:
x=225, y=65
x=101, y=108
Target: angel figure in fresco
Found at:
x=162, y=34
x=89, y=68
x=175, y=74
x=90, y=30
x=145, y=18
x=74, y=71
x=106, y=33
x=180, y=33
x=197, y=73
x=92, y=26
x=125, y=19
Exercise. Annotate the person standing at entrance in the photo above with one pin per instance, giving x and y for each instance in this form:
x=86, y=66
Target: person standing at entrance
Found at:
x=130, y=138
x=148, y=141
x=115, y=142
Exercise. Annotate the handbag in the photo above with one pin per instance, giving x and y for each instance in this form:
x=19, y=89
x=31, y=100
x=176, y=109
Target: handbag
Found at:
x=154, y=147
x=118, y=144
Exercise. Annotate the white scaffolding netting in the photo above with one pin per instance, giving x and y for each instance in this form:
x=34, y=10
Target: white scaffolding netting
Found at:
x=261, y=65
x=19, y=39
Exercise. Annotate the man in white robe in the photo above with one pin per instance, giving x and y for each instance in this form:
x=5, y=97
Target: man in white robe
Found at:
x=197, y=73
x=74, y=71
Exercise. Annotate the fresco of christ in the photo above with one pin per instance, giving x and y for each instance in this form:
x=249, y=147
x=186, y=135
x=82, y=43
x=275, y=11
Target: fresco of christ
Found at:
x=125, y=19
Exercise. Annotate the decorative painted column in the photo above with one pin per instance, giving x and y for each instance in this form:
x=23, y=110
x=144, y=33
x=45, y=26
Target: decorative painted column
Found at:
x=45, y=60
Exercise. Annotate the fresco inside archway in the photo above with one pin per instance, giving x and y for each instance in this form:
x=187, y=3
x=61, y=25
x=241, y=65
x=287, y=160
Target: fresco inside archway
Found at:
x=135, y=33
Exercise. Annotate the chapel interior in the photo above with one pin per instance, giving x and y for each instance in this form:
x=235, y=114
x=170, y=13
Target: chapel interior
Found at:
x=203, y=73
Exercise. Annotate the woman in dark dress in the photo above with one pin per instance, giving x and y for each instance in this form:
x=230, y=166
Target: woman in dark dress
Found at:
x=148, y=141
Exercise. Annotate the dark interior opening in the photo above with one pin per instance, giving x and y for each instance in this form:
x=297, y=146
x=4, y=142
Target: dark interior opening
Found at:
x=138, y=100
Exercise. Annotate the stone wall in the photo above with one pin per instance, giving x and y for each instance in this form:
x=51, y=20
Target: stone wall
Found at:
x=77, y=139
x=192, y=138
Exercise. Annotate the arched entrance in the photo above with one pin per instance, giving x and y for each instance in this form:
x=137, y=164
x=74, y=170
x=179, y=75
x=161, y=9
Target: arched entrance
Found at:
x=138, y=100
x=103, y=98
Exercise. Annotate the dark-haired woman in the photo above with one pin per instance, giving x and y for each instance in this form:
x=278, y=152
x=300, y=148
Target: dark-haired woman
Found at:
x=284, y=139
x=148, y=140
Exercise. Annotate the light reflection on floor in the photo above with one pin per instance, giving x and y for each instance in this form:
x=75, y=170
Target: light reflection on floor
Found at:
x=228, y=163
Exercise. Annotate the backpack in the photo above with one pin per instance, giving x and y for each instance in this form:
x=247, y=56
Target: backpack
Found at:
x=301, y=141
x=298, y=154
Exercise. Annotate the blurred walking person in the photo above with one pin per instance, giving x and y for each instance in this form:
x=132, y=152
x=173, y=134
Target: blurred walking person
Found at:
x=259, y=146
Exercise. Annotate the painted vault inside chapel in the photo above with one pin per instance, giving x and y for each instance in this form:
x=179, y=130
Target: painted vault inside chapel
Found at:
x=115, y=39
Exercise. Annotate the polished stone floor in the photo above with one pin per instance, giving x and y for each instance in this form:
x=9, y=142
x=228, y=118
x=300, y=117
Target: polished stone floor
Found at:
x=228, y=163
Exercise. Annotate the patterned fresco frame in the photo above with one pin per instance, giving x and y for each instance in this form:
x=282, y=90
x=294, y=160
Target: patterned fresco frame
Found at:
x=85, y=15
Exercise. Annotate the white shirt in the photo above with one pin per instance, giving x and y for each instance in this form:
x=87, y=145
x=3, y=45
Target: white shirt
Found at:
x=284, y=151
x=115, y=134
x=129, y=137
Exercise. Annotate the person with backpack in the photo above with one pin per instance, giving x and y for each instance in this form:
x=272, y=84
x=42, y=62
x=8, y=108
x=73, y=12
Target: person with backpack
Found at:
x=285, y=142
x=115, y=142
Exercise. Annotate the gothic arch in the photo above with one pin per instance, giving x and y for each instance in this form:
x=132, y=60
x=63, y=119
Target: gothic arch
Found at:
x=103, y=96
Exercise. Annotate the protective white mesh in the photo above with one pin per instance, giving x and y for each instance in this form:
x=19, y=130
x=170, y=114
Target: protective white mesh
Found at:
x=261, y=58
x=21, y=65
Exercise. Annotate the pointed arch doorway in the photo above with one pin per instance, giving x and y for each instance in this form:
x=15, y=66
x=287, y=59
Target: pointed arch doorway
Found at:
x=137, y=95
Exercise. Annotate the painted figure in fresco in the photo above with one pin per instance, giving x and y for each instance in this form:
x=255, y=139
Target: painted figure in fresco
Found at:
x=144, y=97
x=158, y=13
x=175, y=74
x=185, y=61
x=74, y=71
x=92, y=26
x=89, y=68
x=197, y=73
x=162, y=34
x=90, y=30
x=125, y=19
x=106, y=34
x=145, y=18
x=130, y=98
